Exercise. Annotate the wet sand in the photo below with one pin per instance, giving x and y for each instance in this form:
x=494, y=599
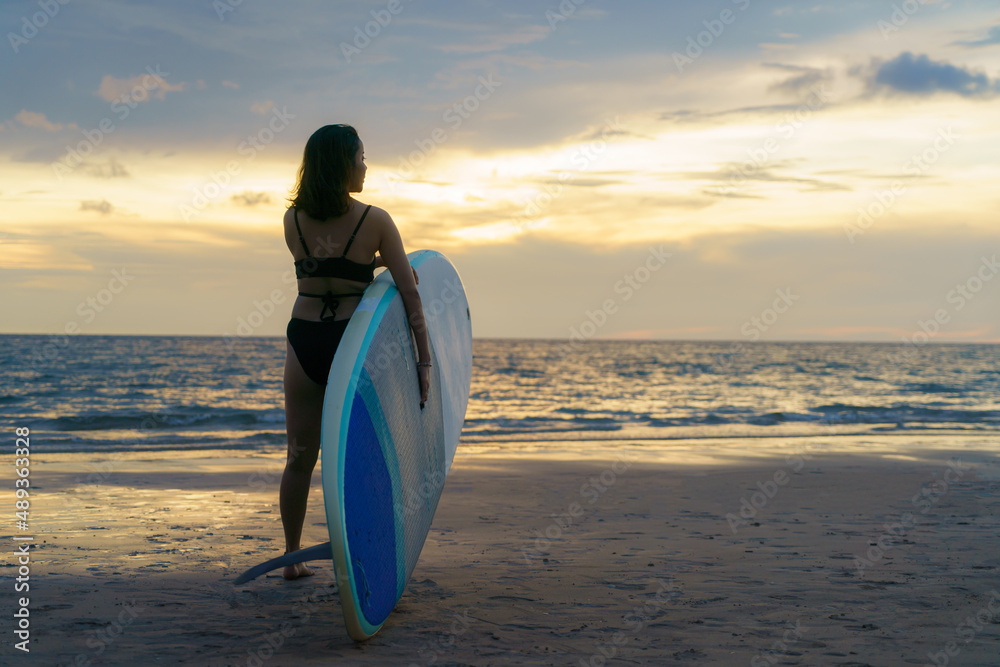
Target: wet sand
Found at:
x=860, y=550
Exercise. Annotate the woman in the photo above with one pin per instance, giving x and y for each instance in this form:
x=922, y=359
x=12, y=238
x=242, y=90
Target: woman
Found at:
x=333, y=265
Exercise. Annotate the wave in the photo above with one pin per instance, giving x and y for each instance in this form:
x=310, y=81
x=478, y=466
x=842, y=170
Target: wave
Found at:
x=834, y=414
x=108, y=392
x=56, y=442
x=189, y=417
x=841, y=413
x=932, y=388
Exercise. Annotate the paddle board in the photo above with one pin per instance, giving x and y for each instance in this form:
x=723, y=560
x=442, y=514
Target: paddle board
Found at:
x=384, y=459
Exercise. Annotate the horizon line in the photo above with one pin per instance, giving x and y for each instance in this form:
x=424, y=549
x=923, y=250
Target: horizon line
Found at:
x=542, y=339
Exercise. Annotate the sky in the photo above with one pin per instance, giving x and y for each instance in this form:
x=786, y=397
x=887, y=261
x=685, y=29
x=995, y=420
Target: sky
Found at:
x=714, y=170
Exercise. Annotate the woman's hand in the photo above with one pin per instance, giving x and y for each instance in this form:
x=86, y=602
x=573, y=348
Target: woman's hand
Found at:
x=424, y=373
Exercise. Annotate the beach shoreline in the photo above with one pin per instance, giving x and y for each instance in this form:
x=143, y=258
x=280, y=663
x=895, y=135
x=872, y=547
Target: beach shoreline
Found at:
x=831, y=549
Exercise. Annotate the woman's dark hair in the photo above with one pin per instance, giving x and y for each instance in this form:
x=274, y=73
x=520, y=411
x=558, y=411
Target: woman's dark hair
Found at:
x=327, y=165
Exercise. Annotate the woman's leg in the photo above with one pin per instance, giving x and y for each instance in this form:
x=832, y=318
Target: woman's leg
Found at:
x=303, y=417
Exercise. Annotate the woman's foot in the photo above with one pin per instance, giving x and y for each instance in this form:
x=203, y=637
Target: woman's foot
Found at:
x=297, y=570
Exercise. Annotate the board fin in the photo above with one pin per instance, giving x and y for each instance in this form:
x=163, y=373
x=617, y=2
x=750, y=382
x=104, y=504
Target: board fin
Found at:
x=318, y=552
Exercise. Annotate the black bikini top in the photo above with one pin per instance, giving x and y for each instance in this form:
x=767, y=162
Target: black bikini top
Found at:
x=333, y=267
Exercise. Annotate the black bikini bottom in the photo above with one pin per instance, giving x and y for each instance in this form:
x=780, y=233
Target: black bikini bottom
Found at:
x=314, y=344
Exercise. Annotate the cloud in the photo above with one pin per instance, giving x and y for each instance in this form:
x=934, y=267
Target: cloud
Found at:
x=111, y=169
x=231, y=84
x=804, y=80
x=765, y=111
x=248, y=198
x=38, y=120
x=262, y=107
x=137, y=88
x=103, y=207
x=772, y=46
x=992, y=37
x=499, y=42
x=919, y=75
x=680, y=115
x=732, y=180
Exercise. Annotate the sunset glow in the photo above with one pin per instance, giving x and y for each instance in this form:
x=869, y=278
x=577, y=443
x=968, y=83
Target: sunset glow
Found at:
x=805, y=145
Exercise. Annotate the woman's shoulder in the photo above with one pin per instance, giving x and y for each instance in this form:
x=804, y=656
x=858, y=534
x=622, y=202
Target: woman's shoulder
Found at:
x=288, y=223
x=288, y=220
x=377, y=215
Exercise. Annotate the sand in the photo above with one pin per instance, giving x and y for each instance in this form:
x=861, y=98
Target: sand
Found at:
x=855, y=550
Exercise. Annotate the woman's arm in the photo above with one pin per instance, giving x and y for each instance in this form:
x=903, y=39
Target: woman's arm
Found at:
x=394, y=258
x=379, y=264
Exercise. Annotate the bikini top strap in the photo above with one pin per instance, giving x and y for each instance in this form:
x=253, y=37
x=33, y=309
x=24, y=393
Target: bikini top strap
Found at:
x=301, y=239
x=351, y=240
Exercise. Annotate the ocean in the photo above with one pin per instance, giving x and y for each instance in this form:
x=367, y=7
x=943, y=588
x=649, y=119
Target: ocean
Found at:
x=110, y=393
